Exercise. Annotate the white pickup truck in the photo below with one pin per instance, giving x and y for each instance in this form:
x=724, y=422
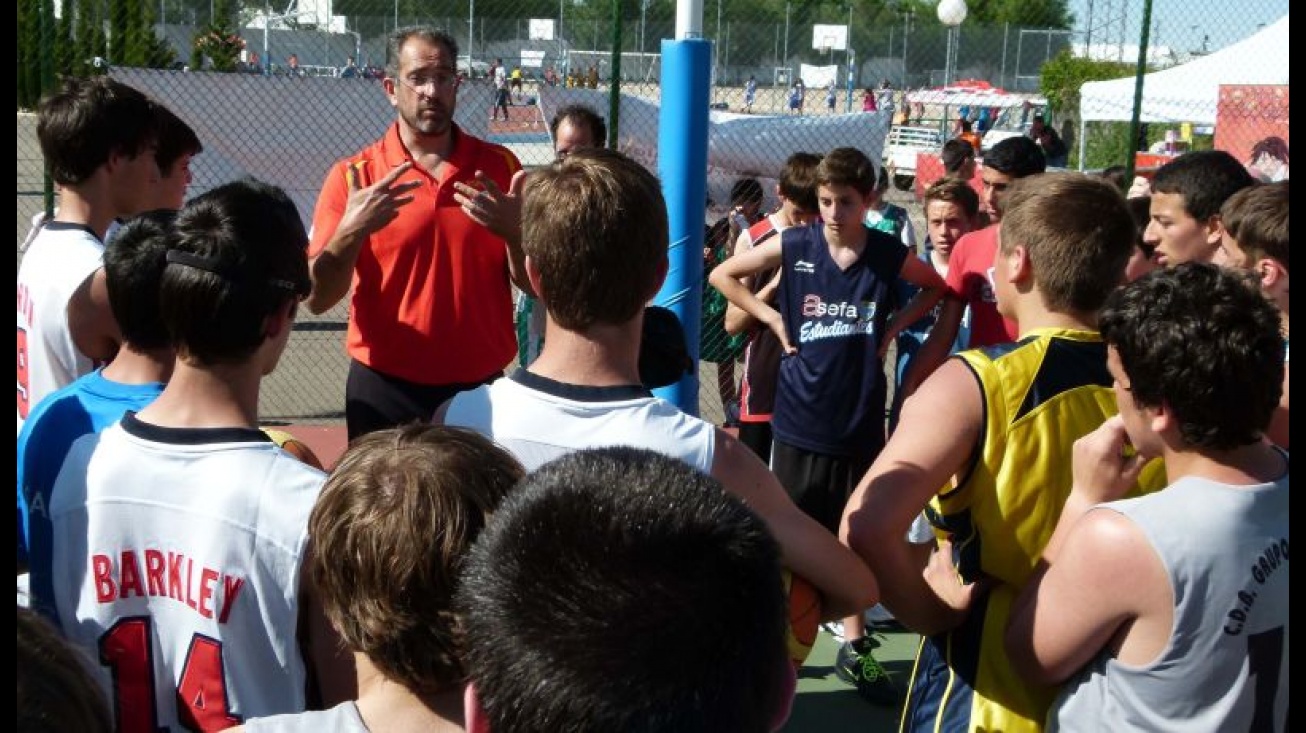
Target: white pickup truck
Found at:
x=900, y=151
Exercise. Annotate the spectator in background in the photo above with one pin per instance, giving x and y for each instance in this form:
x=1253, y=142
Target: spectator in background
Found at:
x=831, y=96
x=1143, y=259
x=886, y=217
x=500, y=91
x=292, y=66
x=868, y=100
x=958, y=159
x=515, y=80
x=350, y=69
x=715, y=344
x=1269, y=159
x=965, y=131
x=750, y=93
x=1115, y=175
x=1036, y=127
x=1054, y=148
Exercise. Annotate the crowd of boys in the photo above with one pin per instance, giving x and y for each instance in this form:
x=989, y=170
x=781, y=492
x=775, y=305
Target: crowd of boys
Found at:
x=559, y=548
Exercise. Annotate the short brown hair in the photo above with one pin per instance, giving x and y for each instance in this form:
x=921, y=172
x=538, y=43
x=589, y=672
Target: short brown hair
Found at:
x=1078, y=232
x=798, y=180
x=390, y=530
x=954, y=191
x=847, y=167
x=595, y=227
x=1257, y=219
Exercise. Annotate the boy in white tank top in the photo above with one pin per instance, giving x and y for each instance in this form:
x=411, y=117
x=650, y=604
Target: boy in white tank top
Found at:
x=179, y=534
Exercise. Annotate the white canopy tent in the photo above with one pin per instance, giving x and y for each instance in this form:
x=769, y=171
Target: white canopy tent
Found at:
x=1190, y=92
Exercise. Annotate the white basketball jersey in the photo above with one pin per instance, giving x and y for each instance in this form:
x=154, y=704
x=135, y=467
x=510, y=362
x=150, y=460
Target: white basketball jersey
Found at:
x=58, y=261
x=177, y=555
x=537, y=419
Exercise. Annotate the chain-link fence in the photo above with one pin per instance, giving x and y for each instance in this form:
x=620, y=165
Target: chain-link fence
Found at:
x=282, y=90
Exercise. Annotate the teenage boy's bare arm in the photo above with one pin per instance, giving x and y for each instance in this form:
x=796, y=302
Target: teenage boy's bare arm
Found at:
x=91, y=324
x=937, y=346
x=1098, y=574
x=808, y=549
x=931, y=289
x=737, y=319
x=918, y=460
x=367, y=210
x=727, y=278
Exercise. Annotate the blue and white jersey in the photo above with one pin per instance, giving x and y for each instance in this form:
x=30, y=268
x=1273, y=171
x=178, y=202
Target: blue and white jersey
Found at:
x=831, y=394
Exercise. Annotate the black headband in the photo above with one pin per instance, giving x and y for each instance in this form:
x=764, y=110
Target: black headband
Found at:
x=211, y=265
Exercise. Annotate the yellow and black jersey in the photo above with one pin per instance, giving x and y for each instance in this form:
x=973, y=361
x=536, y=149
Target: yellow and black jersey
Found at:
x=1040, y=394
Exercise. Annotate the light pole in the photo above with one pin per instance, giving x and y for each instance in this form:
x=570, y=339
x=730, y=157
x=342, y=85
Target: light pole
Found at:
x=951, y=13
x=268, y=20
x=471, y=34
x=643, y=18
x=785, y=61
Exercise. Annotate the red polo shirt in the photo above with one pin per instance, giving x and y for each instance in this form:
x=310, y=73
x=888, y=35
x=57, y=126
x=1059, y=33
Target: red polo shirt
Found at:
x=969, y=270
x=432, y=302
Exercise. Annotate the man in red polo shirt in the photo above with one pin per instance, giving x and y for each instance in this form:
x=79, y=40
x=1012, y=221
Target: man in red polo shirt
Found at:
x=431, y=313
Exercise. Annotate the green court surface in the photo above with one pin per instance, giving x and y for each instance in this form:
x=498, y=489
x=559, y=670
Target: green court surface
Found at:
x=826, y=703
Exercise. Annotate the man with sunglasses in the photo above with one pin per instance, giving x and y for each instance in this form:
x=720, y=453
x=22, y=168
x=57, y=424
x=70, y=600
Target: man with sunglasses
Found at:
x=431, y=311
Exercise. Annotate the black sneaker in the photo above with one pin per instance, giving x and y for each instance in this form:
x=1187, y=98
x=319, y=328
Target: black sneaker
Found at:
x=855, y=665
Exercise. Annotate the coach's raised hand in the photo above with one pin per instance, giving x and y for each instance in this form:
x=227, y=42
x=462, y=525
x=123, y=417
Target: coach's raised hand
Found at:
x=368, y=209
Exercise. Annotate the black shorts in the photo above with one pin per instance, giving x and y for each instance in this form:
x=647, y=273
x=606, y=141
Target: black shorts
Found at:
x=819, y=484
x=376, y=401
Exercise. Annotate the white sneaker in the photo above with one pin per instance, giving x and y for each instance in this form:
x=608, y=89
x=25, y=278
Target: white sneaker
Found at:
x=835, y=629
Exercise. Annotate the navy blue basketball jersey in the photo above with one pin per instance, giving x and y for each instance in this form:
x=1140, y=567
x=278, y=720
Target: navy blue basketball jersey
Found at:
x=831, y=394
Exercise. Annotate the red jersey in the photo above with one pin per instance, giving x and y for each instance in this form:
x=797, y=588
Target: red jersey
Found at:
x=969, y=271
x=432, y=301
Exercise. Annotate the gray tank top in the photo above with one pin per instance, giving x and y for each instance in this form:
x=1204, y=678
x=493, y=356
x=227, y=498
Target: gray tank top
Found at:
x=1225, y=668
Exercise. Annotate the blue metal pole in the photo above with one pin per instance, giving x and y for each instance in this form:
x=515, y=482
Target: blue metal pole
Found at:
x=682, y=167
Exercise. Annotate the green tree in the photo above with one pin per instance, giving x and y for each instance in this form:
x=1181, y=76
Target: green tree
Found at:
x=119, y=18
x=1060, y=81
x=218, y=41
x=64, y=51
x=29, y=48
x=158, y=53
x=91, y=41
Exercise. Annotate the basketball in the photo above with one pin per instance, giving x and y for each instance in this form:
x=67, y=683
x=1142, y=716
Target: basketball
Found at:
x=294, y=446
x=804, y=604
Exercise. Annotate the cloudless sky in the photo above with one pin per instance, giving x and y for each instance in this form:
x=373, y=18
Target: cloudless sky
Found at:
x=1179, y=24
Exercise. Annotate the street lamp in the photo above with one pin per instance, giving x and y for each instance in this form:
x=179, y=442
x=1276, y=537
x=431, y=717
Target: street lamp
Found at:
x=951, y=13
